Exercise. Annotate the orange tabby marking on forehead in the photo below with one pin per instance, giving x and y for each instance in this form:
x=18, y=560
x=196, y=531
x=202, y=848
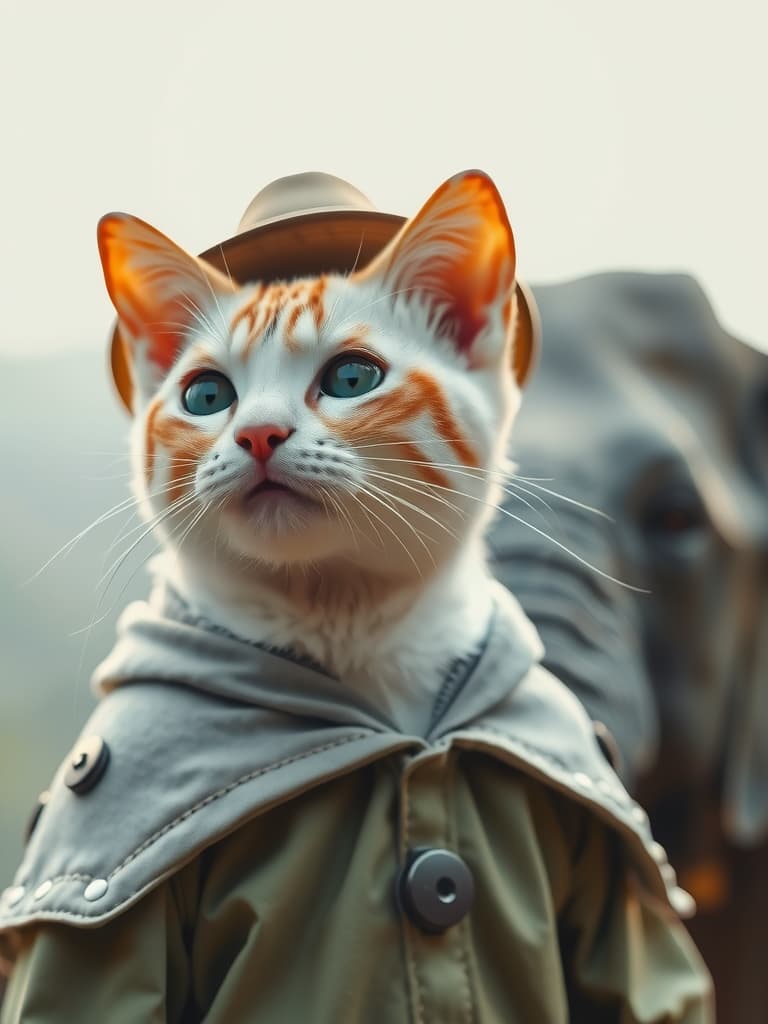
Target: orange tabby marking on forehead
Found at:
x=247, y=313
x=293, y=298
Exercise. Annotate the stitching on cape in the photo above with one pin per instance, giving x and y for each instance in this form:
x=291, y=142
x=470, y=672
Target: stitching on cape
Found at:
x=228, y=789
x=78, y=876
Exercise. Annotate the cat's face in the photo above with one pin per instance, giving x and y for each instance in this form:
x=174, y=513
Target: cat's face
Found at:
x=356, y=418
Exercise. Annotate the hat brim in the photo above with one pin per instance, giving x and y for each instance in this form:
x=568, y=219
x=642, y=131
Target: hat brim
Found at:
x=322, y=242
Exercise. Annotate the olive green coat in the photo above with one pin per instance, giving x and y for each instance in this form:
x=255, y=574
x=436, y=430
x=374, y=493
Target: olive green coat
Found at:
x=249, y=837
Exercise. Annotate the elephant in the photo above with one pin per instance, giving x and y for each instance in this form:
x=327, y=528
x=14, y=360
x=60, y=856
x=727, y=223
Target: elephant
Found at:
x=647, y=579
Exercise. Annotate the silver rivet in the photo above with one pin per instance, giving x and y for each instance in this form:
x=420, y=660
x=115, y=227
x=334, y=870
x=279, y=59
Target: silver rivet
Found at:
x=43, y=889
x=581, y=779
x=13, y=895
x=96, y=889
x=639, y=814
x=605, y=787
x=658, y=853
x=682, y=902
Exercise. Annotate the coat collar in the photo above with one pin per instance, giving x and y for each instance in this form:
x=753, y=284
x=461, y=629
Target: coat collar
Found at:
x=163, y=640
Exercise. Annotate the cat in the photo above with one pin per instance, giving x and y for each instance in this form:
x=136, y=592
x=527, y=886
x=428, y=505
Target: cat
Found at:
x=320, y=457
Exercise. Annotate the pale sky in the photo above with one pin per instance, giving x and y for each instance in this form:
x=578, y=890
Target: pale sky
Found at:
x=622, y=136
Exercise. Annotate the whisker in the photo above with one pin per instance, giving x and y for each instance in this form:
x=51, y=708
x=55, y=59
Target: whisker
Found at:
x=368, y=513
x=156, y=494
x=541, y=533
x=120, y=562
x=198, y=314
x=226, y=266
x=532, y=494
x=177, y=506
x=465, y=471
x=564, y=497
x=495, y=474
x=421, y=511
x=325, y=493
x=401, y=482
x=126, y=503
x=218, y=306
x=417, y=533
x=421, y=443
x=387, y=527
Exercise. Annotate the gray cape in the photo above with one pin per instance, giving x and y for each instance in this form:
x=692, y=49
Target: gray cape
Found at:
x=206, y=731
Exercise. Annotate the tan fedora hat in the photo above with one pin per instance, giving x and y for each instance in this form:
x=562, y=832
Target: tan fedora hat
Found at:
x=308, y=224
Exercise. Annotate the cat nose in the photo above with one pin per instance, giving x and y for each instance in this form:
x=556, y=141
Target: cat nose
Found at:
x=261, y=441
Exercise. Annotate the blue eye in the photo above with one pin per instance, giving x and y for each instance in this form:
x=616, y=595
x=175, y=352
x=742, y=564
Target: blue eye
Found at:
x=350, y=377
x=210, y=392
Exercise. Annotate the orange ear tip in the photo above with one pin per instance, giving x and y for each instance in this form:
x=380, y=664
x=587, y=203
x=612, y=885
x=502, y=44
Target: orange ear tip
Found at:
x=472, y=173
x=110, y=221
x=477, y=178
x=108, y=230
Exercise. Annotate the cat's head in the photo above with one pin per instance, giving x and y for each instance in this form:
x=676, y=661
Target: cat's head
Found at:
x=359, y=418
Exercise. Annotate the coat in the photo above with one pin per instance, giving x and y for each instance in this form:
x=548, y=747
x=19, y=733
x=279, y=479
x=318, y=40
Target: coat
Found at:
x=237, y=836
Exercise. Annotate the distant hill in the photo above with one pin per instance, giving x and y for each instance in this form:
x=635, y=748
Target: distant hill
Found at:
x=62, y=444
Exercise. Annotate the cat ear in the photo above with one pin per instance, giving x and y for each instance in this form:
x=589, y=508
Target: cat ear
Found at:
x=160, y=292
x=458, y=255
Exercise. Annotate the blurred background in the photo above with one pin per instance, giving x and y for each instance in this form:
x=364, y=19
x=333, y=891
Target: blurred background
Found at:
x=621, y=137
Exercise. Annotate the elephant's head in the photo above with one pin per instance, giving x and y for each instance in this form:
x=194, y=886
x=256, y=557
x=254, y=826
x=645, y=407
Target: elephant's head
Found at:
x=645, y=408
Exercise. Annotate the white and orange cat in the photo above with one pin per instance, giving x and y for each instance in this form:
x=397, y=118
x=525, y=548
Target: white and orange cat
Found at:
x=318, y=456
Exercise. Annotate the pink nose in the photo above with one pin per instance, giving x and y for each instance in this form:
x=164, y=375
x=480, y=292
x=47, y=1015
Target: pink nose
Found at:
x=261, y=441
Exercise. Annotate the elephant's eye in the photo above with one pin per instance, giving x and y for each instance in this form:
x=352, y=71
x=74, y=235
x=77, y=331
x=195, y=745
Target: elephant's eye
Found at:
x=676, y=529
x=673, y=511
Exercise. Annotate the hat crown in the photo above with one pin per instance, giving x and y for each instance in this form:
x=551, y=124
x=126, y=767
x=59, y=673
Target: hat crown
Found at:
x=310, y=192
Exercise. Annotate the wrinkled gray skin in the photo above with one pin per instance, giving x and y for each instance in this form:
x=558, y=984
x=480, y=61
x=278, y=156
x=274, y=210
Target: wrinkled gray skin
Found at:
x=642, y=406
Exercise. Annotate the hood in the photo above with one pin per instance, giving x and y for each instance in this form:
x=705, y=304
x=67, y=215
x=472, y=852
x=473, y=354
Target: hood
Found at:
x=163, y=640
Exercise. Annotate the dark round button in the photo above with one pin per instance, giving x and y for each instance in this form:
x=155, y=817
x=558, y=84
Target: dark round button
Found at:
x=608, y=746
x=435, y=889
x=87, y=763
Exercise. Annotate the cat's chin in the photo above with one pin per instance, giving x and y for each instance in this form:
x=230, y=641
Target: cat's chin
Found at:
x=280, y=527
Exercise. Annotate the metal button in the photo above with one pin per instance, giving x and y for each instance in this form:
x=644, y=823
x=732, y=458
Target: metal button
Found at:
x=582, y=779
x=34, y=817
x=87, y=763
x=96, y=889
x=435, y=889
